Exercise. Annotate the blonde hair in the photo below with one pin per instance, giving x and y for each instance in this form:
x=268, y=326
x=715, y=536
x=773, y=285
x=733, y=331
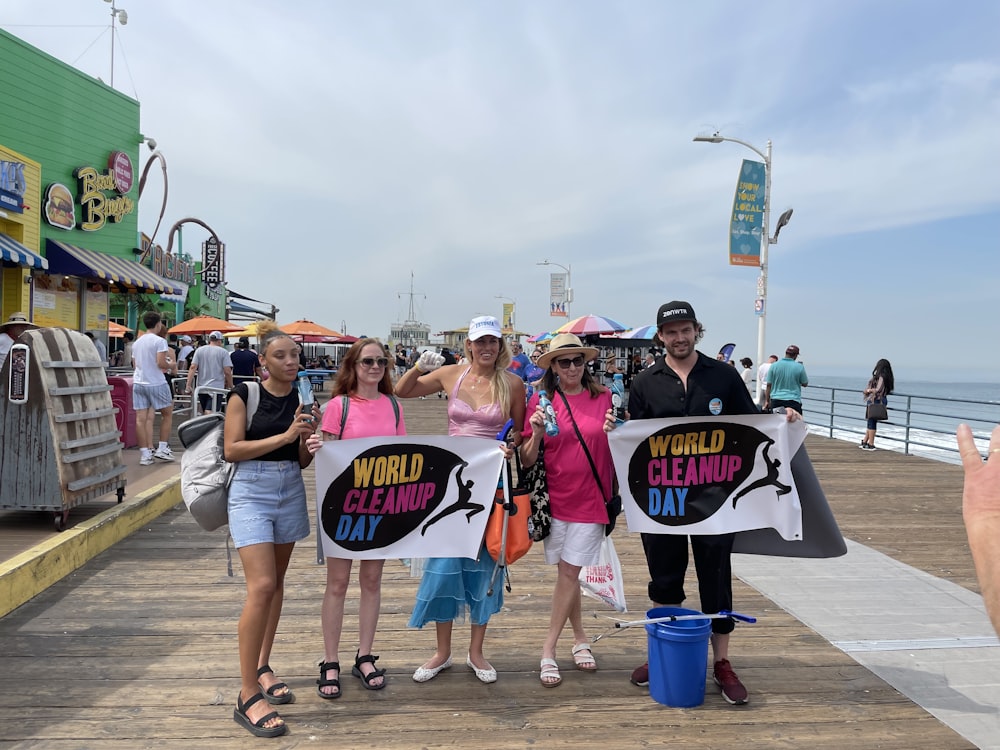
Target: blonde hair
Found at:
x=499, y=384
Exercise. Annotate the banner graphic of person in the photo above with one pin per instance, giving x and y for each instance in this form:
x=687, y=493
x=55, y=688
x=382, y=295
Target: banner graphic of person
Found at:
x=408, y=496
x=693, y=475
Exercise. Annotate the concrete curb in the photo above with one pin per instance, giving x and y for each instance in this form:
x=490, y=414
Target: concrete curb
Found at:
x=31, y=572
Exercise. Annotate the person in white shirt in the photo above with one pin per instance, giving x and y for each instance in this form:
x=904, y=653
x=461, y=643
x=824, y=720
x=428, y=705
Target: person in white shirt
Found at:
x=11, y=331
x=762, y=378
x=152, y=361
x=213, y=368
x=184, y=355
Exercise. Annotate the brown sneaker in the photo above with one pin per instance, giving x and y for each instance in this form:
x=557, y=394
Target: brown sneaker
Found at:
x=732, y=689
x=640, y=676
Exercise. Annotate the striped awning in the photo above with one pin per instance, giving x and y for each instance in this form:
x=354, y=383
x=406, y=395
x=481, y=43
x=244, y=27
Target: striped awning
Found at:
x=13, y=251
x=178, y=299
x=78, y=261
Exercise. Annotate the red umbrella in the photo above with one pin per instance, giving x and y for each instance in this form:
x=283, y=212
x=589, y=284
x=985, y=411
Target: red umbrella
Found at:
x=591, y=325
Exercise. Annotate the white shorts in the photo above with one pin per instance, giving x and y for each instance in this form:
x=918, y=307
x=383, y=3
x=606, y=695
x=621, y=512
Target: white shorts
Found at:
x=151, y=396
x=575, y=543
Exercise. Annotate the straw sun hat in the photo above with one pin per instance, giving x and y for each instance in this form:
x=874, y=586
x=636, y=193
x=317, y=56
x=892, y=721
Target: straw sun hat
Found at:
x=17, y=319
x=566, y=345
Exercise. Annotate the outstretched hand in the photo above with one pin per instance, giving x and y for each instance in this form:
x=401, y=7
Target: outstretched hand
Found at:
x=429, y=361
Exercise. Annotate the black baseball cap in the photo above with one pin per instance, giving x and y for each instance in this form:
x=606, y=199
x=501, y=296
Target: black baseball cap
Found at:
x=670, y=312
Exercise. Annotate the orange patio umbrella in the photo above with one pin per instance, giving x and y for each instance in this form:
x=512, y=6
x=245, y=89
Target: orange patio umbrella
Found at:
x=205, y=324
x=116, y=330
x=309, y=328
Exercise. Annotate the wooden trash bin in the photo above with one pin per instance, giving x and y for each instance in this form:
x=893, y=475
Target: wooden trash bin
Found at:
x=61, y=445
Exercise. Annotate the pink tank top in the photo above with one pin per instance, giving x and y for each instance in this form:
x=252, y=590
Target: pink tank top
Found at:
x=463, y=420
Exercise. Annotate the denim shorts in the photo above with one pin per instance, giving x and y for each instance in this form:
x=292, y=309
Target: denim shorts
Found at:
x=267, y=503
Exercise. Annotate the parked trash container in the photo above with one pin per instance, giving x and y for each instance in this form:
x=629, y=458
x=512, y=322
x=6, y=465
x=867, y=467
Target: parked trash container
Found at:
x=121, y=398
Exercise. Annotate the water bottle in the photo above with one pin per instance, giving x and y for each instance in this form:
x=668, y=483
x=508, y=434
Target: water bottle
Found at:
x=551, y=425
x=618, y=398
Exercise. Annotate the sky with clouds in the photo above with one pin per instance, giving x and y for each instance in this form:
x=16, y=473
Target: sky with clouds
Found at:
x=337, y=147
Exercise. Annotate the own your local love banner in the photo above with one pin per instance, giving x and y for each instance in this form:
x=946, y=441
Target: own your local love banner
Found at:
x=409, y=496
x=709, y=475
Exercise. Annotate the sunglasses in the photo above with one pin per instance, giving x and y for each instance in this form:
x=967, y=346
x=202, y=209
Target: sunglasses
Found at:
x=565, y=364
x=374, y=361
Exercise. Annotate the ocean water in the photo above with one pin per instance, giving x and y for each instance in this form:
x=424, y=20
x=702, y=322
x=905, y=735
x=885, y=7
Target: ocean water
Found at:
x=923, y=414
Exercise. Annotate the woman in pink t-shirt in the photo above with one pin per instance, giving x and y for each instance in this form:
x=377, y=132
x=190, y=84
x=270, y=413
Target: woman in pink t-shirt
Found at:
x=364, y=379
x=580, y=478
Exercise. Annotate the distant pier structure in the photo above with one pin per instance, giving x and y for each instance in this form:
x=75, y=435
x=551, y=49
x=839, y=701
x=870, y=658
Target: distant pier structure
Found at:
x=411, y=333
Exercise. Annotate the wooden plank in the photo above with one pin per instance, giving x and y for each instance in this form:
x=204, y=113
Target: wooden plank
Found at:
x=143, y=641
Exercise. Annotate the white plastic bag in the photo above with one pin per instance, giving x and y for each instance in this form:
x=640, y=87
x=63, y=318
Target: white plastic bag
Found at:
x=604, y=580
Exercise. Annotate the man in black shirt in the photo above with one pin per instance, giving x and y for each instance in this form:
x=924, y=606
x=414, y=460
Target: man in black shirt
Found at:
x=246, y=363
x=686, y=383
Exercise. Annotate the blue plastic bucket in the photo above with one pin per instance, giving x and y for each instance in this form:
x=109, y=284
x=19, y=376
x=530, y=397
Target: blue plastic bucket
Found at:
x=678, y=657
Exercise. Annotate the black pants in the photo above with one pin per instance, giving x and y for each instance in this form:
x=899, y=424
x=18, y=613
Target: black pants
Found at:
x=667, y=560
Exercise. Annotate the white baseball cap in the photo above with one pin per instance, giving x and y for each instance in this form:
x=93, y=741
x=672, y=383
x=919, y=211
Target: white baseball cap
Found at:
x=217, y=335
x=485, y=325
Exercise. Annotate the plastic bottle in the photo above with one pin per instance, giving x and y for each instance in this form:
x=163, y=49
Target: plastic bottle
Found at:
x=551, y=425
x=618, y=398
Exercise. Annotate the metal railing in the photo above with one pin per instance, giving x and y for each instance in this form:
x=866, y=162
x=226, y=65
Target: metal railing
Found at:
x=917, y=424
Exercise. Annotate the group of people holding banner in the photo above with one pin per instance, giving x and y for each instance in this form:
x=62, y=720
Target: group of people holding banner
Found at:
x=266, y=517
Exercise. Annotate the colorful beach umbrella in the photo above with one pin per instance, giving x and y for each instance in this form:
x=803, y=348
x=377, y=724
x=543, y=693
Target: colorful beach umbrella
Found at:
x=591, y=325
x=643, y=333
x=540, y=338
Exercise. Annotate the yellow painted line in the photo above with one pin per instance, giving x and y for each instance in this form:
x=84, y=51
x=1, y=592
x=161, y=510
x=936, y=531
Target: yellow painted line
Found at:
x=31, y=572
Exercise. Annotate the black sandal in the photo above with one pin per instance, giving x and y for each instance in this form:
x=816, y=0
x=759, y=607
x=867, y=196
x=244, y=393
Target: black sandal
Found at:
x=366, y=679
x=269, y=694
x=322, y=682
x=257, y=728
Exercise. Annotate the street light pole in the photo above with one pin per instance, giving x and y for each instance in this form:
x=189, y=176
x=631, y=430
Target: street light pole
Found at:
x=569, y=282
x=766, y=240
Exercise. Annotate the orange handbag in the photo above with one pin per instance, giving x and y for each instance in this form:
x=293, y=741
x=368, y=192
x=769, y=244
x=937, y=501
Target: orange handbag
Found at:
x=518, y=536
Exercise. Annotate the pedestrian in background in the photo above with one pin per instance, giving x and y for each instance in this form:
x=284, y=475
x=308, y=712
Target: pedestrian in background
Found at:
x=747, y=373
x=877, y=391
x=785, y=380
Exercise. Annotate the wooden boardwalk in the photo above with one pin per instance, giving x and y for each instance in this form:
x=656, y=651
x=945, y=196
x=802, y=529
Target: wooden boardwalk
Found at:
x=138, y=648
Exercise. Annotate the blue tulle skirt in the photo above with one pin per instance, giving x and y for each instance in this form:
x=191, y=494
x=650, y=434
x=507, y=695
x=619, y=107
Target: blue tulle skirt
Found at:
x=452, y=586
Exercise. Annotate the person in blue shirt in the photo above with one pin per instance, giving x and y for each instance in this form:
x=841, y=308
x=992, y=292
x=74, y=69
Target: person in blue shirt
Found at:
x=519, y=362
x=785, y=380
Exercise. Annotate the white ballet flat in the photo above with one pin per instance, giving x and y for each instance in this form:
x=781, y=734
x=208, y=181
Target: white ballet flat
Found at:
x=423, y=674
x=484, y=675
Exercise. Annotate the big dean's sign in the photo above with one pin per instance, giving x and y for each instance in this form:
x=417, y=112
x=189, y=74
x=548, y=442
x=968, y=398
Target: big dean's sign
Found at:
x=102, y=196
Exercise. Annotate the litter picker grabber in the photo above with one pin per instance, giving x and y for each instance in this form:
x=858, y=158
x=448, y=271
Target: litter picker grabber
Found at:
x=509, y=509
x=623, y=624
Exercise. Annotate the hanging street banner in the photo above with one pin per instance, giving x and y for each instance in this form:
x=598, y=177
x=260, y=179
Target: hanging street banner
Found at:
x=709, y=475
x=558, y=295
x=407, y=496
x=507, y=319
x=747, y=223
